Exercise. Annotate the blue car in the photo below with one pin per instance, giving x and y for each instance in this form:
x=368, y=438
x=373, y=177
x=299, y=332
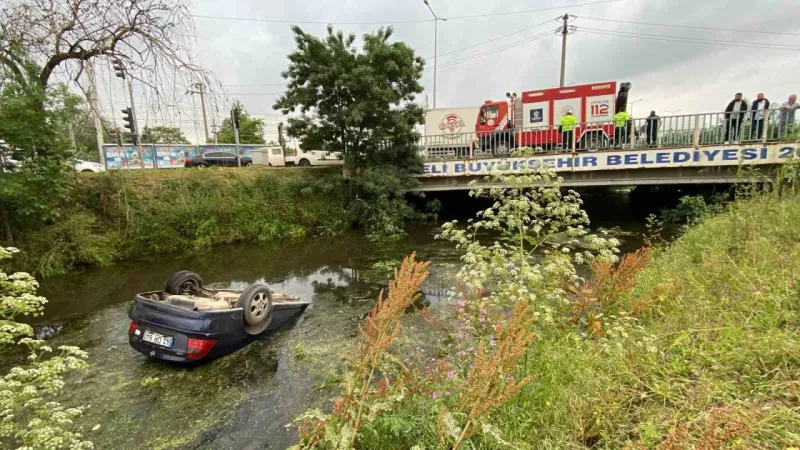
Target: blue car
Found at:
x=187, y=322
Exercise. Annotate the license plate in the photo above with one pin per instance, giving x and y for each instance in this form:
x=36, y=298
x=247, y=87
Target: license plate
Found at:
x=158, y=339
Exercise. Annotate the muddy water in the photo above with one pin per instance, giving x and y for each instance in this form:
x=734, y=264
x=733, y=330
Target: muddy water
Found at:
x=244, y=400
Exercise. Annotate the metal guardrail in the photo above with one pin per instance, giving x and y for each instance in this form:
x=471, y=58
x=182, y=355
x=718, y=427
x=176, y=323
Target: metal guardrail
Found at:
x=690, y=130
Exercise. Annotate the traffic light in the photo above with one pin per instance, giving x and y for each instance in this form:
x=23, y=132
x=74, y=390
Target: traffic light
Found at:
x=127, y=117
x=119, y=69
x=235, y=116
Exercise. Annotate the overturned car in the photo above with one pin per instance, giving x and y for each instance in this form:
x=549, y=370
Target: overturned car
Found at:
x=188, y=322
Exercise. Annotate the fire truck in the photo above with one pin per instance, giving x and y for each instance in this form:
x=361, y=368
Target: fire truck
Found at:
x=532, y=119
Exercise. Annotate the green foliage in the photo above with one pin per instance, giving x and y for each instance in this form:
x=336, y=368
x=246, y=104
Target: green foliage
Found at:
x=148, y=382
x=300, y=352
x=121, y=214
x=692, y=209
x=33, y=123
x=75, y=241
x=359, y=103
x=29, y=415
x=163, y=135
x=251, y=130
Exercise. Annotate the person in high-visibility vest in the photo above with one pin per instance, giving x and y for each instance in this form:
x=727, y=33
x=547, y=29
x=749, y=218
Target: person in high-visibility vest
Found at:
x=621, y=128
x=567, y=123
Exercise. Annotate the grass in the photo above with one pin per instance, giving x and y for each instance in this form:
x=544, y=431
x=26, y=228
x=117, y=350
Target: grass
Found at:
x=721, y=309
x=122, y=214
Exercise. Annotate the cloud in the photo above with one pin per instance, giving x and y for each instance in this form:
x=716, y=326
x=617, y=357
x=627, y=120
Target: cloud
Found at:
x=692, y=77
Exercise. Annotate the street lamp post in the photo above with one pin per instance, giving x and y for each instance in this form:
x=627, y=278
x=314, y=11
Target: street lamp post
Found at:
x=631, y=105
x=436, y=20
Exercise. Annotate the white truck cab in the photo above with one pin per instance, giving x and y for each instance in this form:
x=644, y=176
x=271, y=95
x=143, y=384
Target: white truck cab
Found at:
x=278, y=158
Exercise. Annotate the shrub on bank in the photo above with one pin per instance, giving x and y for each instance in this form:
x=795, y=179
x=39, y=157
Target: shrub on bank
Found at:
x=120, y=214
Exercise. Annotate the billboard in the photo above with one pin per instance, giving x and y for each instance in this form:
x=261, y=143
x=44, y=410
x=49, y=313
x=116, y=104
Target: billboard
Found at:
x=166, y=156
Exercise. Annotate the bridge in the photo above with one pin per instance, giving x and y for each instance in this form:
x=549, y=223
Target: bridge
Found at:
x=689, y=149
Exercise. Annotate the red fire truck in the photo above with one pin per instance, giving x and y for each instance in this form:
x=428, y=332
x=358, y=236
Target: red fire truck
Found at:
x=533, y=119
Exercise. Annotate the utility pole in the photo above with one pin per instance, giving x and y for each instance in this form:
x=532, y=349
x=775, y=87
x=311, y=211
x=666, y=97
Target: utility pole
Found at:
x=436, y=20
x=564, y=32
x=235, y=123
x=119, y=69
x=98, y=123
x=201, y=90
x=215, y=132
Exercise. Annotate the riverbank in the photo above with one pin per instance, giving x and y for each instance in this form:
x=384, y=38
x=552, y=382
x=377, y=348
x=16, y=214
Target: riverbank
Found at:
x=116, y=215
x=705, y=353
x=690, y=345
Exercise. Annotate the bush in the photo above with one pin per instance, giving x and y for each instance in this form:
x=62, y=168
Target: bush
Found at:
x=29, y=415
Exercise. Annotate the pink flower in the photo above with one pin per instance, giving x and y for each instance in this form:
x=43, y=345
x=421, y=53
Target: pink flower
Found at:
x=434, y=395
x=451, y=374
x=447, y=393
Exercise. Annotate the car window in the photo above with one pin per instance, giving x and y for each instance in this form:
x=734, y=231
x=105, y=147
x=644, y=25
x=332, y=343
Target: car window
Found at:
x=276, y=151
x=226, y=155
x=211, y=155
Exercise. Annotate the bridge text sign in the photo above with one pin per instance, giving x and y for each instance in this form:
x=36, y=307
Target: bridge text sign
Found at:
x=617, y=160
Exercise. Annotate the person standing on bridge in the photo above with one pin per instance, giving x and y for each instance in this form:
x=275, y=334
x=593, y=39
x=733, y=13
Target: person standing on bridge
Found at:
x=758, y=110
x=651, y=129
x=567, y=123
x=733, y=117
x=786, y=117
x=621, y=128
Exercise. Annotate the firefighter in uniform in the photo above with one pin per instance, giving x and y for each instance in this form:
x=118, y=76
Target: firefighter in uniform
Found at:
x=621, y=128
x=567, y=123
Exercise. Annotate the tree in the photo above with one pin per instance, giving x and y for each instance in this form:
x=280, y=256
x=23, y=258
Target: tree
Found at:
x=163, y=135
x=39, y=140
x=360, y=103
x=251, y=131
x=150, y=38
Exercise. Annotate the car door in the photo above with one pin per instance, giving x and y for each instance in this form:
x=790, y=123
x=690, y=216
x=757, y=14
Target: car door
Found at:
x=227, y=159
x=276, y=158
x=212, y=158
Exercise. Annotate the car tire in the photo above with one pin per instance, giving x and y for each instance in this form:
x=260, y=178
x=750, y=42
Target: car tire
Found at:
x=183, y=281
x=202, y=166
x=248, y=164
x=304, y=163
x=256, y=302
x=87, y=170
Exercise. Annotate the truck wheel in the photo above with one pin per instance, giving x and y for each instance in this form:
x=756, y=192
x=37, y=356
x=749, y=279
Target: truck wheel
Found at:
x=256, y=301
x=594, y=142
x=304, y=163
x=182, y=282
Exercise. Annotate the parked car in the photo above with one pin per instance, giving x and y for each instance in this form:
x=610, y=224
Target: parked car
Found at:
x=224, y=159
x=277, y=157
x=188, y=322
x=88, y=166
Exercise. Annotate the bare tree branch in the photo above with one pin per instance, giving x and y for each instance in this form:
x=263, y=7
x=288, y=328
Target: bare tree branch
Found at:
x=153, y=38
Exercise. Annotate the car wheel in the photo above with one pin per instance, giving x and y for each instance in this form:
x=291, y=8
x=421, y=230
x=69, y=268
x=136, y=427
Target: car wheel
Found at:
x=256, y=301
x=202, y=166
x=183, y=282
x=87, y=170
x=304, y=163
x=248, y=164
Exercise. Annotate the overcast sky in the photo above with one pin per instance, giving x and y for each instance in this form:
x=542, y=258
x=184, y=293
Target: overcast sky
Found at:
x=248, y=56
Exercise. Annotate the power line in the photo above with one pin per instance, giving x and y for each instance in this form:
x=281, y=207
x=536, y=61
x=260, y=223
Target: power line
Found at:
x=688, y=26
x=497, y=50
x=689, y=40
x=495, y=39
x=256, y=85
x=308, y=22
x=531, y=10
x=396, y=22
x=232, y=94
